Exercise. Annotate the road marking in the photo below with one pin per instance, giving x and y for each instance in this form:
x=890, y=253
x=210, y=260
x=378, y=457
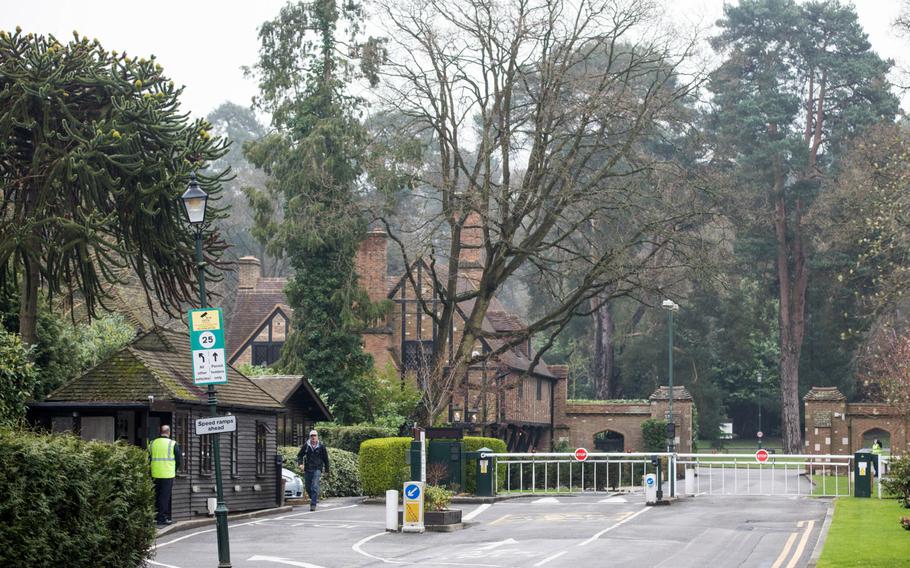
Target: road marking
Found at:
x=608, y=529
x=615, y=500
x=546, y=500
x=278, y=560
x=312, y=512
x=492, y=545
x=161, y=564
x=802, y=545
x=356, y=548
x=784, y=552
x=502, y=518
x=476, y=512
x=554, y=557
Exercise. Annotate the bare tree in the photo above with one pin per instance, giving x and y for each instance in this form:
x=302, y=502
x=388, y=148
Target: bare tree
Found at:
x=539, y=114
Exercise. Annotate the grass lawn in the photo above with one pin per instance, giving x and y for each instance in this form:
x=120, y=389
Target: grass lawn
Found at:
x=867, y=533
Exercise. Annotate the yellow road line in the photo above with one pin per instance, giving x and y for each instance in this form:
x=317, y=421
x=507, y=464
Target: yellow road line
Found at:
x=802, y=545
x=502, y=518
x=785, y=552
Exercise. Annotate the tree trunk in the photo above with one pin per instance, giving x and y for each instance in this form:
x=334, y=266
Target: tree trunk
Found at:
x=28, y=302
x=789, y=402
x=604, y=357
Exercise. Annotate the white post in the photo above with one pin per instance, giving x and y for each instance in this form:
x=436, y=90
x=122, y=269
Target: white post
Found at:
x=391, y=510
x=690, y=481
x=423, y=457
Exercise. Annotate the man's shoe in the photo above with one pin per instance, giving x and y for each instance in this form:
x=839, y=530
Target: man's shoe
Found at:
x=312, y=507
x=169, y=522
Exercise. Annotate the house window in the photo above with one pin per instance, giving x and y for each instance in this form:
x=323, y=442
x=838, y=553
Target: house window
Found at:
x=417, y=355
x=235, y=454
x=266, y=354
x=181, y=435
x=205, y=454
x=261, y=443
x=539, y=389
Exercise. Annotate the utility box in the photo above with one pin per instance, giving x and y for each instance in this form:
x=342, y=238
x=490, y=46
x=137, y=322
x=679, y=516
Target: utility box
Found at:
x=863, y=473
x=445, y=461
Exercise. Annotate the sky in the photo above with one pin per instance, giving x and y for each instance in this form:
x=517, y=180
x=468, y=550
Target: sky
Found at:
x=203, y=44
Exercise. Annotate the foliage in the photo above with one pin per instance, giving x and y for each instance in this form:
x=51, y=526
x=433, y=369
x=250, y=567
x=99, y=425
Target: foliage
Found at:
x=349, y=438
x=251, y=370
x=654, y=435
x=390, y=401
x=313, y=164
x=885, y=368
x=383, y=465
x=898, y=481
x=95, y=153
x=343, y=479
x=472, y=444
x=436, y=498
x=67, y=502
x=17, y=378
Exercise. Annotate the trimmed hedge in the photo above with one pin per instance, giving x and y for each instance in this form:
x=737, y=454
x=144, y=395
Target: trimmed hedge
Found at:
x=383, y=464
x=472, y=444
x=68, y=502
x=654, y=434
x=349, y=438
x=344, y=476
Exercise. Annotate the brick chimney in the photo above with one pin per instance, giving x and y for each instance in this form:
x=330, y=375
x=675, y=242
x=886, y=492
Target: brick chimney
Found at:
x=250, y=270
x=371, y=264
x=472, y=255
x=560, y=392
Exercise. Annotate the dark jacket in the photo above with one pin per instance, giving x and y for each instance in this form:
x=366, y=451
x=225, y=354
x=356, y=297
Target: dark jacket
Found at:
x=313, y=459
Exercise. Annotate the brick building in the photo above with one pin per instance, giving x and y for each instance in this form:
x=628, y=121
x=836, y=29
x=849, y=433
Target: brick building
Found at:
x=260, y=317
x=835, y=426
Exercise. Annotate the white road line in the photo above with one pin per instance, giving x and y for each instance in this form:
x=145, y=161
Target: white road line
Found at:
x=802, y=545
x=492, y=545
x=545, y=500
x=548, y=558
x=312, y=512
x=615, y=500
x=785, y=551
x=161, y=564
x=608, y=529
x=356, y=548
x=476, y=512
x=278, y=560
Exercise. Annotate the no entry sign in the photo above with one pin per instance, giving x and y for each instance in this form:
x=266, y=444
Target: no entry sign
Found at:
x=581, y=454
x=761, y=456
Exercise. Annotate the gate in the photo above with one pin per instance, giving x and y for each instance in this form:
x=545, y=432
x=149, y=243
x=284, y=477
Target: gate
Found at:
x=781, y=474
x=555, y=473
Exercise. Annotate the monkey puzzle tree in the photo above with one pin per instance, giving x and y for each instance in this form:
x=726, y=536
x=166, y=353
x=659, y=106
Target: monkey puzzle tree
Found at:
x=94, y=154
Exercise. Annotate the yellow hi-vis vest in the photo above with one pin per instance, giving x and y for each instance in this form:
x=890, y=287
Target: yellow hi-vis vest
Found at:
x=877, y=449
x=161, y=452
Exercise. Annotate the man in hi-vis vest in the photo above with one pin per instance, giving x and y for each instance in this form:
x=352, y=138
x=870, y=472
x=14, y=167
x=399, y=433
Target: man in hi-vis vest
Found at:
x=164, y=459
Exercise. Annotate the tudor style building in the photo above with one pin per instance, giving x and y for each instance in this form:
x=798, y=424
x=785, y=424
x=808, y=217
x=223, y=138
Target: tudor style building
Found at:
x=259, y=319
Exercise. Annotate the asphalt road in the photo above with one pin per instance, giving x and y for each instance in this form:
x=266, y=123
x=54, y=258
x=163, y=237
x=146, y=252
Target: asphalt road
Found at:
x=565, y=531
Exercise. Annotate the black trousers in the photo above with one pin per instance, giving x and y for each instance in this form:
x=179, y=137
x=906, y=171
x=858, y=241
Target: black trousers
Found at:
x=163, y=488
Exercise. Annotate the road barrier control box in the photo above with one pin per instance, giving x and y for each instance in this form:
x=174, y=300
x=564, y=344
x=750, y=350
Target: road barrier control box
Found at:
x=863, y=469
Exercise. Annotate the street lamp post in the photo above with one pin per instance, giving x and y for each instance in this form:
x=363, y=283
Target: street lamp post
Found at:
x=671, y=307
x=194, y=203
x=760, y=432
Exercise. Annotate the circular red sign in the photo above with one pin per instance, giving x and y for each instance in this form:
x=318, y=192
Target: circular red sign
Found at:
x=761, y=456
x=581, y=454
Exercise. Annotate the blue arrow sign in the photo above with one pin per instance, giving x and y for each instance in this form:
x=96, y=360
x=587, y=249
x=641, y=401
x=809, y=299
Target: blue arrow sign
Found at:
x=650, y=480
x=412, y=492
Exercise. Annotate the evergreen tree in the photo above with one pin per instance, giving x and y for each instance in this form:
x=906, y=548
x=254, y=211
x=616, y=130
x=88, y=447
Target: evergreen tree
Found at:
x=94, y=154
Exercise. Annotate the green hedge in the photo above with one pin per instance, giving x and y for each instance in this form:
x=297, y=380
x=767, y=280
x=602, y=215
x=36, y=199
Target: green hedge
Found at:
x=349, y=438
x=383, y=465
x=654, y=433
x=344, y=475
x=67, y=502
x=472, y=444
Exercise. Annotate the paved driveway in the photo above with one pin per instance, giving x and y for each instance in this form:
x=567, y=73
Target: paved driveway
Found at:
x=565, y=531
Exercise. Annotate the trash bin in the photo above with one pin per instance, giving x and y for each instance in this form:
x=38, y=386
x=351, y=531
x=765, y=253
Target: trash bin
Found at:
x=863, y=468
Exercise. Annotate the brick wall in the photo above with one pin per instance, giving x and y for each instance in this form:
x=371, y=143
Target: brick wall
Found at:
x=250, y=269
x=834, y=426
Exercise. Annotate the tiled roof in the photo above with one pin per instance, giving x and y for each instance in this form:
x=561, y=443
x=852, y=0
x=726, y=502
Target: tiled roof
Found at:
x=282, y=387
x=251, y=307
x=824, y=393
x=158, y=363
x=663, y=393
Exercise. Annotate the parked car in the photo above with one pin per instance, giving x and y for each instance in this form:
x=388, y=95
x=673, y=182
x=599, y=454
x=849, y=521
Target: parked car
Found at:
x=293, y=485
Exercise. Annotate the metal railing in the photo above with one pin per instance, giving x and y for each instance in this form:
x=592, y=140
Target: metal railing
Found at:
x=781, y=474
x=555, y=473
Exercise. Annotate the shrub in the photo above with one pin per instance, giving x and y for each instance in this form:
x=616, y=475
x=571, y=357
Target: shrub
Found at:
x=67, y=502
x=343, y=479
x=383, y=465
x=436, y=498
x=349, y=438
x=898, y=480
x=905, y=522
x=17, y=378
x=472, y=444
x=654, y=434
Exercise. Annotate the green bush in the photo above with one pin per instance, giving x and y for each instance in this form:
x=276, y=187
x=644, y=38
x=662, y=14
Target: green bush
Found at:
x=654, y=434
x=67, y=502
x=383, y=465
x=436, y=498
x=343, y=479
x=472, y=444
x=349, y=438
x=898, y=481
x=17, y=378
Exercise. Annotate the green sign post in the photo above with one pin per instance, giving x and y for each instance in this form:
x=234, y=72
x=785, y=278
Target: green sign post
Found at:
x=207, y=343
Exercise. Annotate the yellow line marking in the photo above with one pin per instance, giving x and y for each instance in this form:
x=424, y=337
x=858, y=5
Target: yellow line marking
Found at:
x=802, y=545
x=502, y=518
x=785, y=551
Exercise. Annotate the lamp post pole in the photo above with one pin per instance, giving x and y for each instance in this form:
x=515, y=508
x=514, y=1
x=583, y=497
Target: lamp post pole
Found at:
x=671, y=307
x=191, y=199
x=761, y=433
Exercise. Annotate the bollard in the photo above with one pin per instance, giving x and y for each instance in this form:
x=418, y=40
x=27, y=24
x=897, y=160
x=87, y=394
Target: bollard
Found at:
x=690, y=481
x=391, y=510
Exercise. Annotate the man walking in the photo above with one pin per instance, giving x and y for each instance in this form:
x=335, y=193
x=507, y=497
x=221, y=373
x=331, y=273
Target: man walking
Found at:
x=165, y=459
x=312, y=459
